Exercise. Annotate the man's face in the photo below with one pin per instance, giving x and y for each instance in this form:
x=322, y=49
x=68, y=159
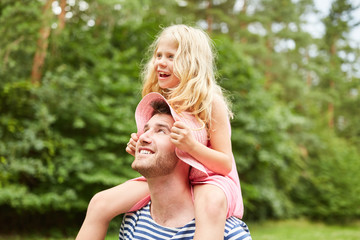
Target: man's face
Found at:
x=155, y=154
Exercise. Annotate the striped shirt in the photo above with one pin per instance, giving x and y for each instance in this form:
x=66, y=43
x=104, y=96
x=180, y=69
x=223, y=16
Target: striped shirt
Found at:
x=139, y=225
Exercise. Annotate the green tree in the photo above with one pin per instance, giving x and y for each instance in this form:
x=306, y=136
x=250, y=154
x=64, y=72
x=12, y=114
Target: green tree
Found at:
x=267, y=158
x=331, y=159
x=341, y=76
x=63, y=140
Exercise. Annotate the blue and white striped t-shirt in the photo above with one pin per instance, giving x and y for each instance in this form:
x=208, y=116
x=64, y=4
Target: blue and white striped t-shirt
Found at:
x=140, y=225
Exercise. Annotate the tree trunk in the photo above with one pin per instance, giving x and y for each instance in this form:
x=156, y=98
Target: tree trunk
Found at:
x=62, y=15
x=42, y=44
x=243, y=24
x=268, y=64
x=332, y=85
x=209, y=18
x=308, y=73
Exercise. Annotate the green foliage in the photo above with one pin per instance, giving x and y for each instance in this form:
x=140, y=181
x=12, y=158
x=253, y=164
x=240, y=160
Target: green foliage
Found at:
x=327, y=190
x=18, y=37
x=64, y=140
x=67, y=131
x=267, y=158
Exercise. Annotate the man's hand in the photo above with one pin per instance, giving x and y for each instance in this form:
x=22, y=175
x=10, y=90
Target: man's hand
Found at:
x=131, y=145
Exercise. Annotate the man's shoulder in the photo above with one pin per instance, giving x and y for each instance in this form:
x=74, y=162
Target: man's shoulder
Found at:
x=236, y=229
x=135, y=215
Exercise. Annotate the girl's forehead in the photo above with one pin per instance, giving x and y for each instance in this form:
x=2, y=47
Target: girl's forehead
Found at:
x=167, y=38
x=166, y=44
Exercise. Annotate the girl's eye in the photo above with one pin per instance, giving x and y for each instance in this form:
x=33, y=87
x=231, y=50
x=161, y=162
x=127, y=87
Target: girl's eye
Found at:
x=158, y=55
x=171, y=56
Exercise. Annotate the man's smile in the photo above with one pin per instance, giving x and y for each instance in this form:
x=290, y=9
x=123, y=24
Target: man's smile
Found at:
x=145, y=151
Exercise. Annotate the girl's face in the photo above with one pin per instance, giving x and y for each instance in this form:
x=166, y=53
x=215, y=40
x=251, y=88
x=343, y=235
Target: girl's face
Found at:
x=164, y=62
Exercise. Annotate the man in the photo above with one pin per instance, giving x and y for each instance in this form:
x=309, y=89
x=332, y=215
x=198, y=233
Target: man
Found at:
x=170, y=213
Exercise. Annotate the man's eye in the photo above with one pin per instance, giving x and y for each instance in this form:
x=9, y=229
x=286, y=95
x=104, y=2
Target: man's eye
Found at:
x=161, y=131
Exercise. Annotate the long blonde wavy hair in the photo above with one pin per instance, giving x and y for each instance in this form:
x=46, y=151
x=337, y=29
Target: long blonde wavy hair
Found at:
x=194, y=64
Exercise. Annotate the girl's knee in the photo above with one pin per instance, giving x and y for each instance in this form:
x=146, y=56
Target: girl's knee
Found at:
x=212, y=202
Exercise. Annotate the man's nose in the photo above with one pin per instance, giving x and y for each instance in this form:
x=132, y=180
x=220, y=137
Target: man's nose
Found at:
x=145, y=137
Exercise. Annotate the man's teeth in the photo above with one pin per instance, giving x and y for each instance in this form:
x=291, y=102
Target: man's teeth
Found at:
x=145, y=152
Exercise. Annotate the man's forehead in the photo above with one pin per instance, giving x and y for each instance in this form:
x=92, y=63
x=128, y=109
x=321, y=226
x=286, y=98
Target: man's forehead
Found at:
x=160, y=119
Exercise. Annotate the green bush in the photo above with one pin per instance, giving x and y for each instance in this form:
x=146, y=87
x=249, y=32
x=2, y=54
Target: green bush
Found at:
x=328, y=188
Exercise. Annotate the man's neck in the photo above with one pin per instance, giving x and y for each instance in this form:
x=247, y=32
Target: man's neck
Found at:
x=171, y=202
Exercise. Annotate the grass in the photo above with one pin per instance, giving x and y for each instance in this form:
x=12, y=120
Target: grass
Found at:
x=303, y=230
x=270, y=230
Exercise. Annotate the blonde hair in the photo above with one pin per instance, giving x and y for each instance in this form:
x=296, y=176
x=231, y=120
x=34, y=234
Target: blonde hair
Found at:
x=194, y=65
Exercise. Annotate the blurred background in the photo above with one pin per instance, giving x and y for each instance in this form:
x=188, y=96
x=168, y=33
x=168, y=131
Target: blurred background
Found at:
x=69, y=86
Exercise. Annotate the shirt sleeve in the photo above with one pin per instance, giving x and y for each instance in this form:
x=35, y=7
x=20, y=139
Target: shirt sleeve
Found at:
x=236, y=229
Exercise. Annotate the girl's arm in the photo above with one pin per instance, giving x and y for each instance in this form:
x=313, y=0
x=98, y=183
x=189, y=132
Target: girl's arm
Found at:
x=218, y=158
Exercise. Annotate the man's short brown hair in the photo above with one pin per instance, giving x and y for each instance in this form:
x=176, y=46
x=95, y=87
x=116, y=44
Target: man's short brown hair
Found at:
x=160, y=107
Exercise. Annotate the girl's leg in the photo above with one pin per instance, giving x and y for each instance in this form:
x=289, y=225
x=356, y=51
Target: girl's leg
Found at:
x=210, y=212
x=107, y=204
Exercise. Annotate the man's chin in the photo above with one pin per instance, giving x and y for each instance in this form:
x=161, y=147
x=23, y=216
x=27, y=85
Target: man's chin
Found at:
x=135, y=165
x=139, y=165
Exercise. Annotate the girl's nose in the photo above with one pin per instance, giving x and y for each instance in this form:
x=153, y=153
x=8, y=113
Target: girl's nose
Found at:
x=161, y=62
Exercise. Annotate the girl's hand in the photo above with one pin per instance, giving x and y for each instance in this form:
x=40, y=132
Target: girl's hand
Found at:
x=131, y=145
x=181, y=136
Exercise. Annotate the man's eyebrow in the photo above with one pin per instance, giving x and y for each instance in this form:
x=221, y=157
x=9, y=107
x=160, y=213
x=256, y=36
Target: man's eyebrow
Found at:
x=162, y=125
x=159, y=125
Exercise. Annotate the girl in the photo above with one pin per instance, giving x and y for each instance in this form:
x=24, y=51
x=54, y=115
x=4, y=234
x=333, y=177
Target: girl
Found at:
x=182, y=70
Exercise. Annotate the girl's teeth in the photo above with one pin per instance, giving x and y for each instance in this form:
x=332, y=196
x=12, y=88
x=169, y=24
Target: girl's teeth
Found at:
x=164, y=75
